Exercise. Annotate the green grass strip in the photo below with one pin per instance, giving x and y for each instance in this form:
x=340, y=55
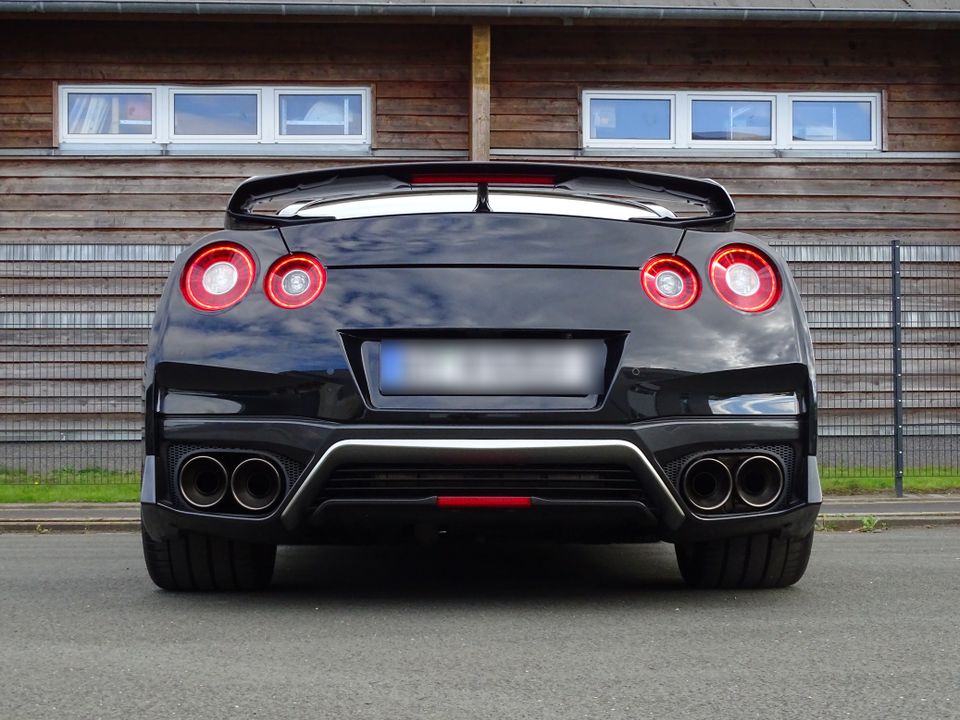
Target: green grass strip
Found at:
x=69, y=485
x=853, y=481
x=69, y=493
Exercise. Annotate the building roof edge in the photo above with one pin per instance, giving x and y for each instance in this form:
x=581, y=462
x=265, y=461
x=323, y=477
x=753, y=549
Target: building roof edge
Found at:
x=492, y=10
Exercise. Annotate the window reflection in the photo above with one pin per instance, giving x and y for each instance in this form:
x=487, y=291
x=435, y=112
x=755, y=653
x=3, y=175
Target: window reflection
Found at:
x=105, y=113
x=215, y=114
x=302, y=114
x=727, y=120
x=831, y=121
x=630, y=119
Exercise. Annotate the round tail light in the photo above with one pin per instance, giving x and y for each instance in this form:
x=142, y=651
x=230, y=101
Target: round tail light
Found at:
x=218, y=276
x=670, y=281
x=295, y=281
x=745, y=278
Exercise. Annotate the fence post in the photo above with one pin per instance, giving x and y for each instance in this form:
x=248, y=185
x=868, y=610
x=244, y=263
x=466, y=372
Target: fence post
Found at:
x=897, y=369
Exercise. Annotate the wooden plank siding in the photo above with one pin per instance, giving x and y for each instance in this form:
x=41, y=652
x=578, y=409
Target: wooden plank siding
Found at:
x=420, y=76
x=787, y=200
x=538, y=74
x=70, y=383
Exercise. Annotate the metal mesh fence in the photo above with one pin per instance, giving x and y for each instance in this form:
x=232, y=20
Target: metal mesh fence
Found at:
x=851, y=299
x=846, y=294
x=930, y=283
x=74, y=321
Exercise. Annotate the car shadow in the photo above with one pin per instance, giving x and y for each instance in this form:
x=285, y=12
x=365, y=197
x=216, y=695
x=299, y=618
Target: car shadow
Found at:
x=470, y=573
x=508, y=576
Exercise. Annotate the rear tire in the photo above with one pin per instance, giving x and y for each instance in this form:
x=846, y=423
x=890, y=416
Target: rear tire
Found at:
x=752, y=561
x=193, y=562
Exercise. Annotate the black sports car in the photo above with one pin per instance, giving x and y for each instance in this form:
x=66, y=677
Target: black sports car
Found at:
x=445, y=350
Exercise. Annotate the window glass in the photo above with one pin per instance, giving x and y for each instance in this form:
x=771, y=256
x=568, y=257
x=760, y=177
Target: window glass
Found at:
x=832, y=120
x=109, y=113
x=215, y=114
x=629, y=119
x=743, y=120
x=302, y=114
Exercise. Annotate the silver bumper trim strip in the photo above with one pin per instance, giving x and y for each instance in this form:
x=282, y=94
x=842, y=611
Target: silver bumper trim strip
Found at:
x=481, y=451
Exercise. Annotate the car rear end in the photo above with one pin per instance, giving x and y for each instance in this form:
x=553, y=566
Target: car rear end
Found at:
x=522, y=365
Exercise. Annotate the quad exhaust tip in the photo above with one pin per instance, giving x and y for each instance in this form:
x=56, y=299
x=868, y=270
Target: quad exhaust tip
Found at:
x=255, y=484
x=203, y=481
x=707, y=484
x=759, y=481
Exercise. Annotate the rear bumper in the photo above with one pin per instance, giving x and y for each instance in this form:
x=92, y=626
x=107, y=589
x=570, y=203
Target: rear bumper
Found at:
x=648, y=449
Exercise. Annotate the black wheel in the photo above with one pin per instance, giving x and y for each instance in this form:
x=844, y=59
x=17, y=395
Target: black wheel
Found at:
x=200, y=562
x=753, y=561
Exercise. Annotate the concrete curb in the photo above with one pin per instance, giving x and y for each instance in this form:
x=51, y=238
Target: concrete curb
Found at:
x=854, y=521
x=62, y=526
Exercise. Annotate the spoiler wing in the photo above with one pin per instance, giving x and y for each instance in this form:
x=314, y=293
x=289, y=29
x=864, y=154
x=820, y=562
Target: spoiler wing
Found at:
x=587, y=181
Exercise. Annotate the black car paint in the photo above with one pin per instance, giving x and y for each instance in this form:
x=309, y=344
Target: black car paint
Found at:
x=256, y=348
x=292, y=382
x=662, y=439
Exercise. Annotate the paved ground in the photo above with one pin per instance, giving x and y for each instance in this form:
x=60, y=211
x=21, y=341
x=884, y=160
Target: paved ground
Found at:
x=873, y=630
x=73, y=511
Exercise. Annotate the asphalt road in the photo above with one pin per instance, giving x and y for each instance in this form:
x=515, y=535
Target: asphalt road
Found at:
x=873, y=630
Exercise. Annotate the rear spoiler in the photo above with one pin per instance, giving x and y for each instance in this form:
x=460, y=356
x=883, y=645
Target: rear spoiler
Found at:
x=578, y=180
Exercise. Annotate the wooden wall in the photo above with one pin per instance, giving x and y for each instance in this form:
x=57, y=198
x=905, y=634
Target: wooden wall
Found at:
x=85, y=242
x=538, y=74
x=419, y=75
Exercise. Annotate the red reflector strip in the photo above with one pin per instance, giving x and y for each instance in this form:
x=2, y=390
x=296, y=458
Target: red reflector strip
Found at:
x=477, y=179
x=482, y=501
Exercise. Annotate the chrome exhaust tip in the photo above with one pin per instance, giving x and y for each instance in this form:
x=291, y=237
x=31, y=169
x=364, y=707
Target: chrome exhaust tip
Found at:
x=255, y=484
x=759, y=481
x=203, y=481
x=707, y=484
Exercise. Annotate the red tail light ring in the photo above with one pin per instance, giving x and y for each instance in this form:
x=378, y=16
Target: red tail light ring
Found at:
x=670, y=281
x=218, y=276
x=745, y=278
x=295, y=281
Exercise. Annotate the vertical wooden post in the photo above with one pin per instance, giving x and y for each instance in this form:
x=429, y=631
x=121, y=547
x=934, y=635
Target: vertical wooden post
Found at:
x=55, y=132
x=480, y=93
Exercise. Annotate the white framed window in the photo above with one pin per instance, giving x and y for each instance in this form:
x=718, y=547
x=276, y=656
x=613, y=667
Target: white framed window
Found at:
x=741, y=120
x=214, y=114
x=108, y=113
x=314, y=115
x=730, y=120
x=830, y=120
x=611, y=119
x=198, y=115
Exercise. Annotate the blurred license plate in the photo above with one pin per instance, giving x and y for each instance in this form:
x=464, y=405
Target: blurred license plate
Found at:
x=491, y=367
